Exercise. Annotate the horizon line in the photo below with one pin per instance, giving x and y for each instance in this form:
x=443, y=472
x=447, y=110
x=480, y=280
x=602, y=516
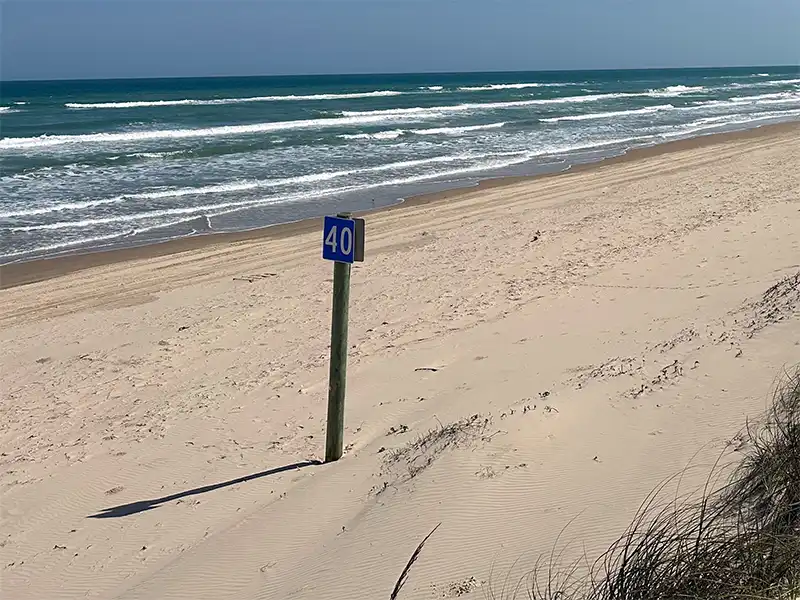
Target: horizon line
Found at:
x=366, y=74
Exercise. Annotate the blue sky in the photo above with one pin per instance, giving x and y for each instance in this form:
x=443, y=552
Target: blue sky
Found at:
x=147, y=38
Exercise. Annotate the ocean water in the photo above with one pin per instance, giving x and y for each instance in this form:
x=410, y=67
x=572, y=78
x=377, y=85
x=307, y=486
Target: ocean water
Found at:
x=97, y=164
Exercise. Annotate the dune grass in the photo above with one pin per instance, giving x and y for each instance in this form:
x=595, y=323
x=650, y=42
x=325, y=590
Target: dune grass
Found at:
x=739, y=541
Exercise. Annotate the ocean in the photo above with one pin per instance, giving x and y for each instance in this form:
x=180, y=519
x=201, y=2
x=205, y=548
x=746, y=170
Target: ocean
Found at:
x=87, y=165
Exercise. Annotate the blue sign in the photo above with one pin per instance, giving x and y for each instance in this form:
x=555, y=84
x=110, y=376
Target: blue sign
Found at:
x=339, y=240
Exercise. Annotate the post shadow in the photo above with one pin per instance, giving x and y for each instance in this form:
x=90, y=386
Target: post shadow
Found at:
x=125, y=510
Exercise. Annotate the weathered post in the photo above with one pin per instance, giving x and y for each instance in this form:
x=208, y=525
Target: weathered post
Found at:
x=343, y=243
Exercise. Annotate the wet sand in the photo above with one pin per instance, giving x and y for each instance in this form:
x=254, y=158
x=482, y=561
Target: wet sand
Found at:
x=42, y=269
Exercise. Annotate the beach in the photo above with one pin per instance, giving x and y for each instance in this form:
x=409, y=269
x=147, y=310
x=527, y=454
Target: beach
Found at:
x=571, y=341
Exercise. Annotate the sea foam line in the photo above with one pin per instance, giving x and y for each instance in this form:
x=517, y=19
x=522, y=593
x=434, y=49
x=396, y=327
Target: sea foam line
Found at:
x=510, y=86
x=457, y=130
x=395, y=133
x=434, y=111
x=519, y=157
x=744, y=118
x=763, y=84
x=512, y=158
x=723, y=120
x=675, y=90
x=188, y=210
x=348, y=118
x=392, y=134
x=783, y=96
x=42, y=141
x=779, y=82
x=608, y=115
x=65, y=245
x=218, y=101
x=744, y=101
x=498, y=160
x=237, y=186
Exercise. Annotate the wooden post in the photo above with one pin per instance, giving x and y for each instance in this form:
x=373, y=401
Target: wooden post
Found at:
x=338, y=371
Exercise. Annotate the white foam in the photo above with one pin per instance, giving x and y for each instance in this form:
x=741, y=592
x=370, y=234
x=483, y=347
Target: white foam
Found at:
x=763, y=84
x=234, y=186
x=146, y=155
x=743, y=101
x=497, y=160
x=349, y=118
x=427, y=161
x=433, y=88
x=189, y=210
x=728, y=120
x=509, y=86
x=379, y=135
x=377, y=117
x=6, y=109
x=609, y=115
x=396, y=133
x=761, y=97
x=675, y=90
x=513, y=158
x=163, y=194
x=776, y=98
x=436, y=111
x=155, y=154
x=42, y=210
x=588, y=146
x=65, y=245
x=457, y=130
x=679, y=89
x=205, y=219
x=777, y=82
x=780, y=101
x=518, y=157
x=218, y=101
x=412, y=112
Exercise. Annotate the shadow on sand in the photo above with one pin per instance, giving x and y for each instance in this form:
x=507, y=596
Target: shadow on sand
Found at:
x=125, y=510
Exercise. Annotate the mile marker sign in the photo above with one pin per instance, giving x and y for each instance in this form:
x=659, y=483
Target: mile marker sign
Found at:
x=343, y=239
x=343, y=243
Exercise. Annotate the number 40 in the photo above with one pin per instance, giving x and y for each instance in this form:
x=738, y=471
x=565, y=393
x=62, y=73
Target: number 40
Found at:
x=340, y=243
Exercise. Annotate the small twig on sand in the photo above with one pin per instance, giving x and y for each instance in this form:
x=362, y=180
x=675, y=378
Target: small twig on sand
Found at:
x=402, y=579
x=252, y=278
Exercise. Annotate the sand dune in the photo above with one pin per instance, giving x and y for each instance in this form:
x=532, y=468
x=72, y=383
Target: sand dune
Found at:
x=524, y=357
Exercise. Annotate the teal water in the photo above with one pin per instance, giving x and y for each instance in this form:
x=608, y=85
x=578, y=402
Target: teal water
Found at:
x=97, y=164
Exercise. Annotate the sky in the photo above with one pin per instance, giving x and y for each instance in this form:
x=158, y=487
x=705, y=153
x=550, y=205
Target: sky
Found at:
x=77, y=39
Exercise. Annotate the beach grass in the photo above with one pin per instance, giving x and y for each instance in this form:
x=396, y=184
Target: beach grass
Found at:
x=740, y=540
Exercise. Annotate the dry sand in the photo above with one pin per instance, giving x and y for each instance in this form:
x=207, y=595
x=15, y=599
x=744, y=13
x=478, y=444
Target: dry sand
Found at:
x=160, y=415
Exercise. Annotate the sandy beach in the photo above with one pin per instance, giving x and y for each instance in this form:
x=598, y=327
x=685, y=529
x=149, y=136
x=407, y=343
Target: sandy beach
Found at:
x=570, y=340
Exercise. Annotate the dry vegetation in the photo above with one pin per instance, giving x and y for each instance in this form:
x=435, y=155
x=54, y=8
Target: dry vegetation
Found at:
x=405, y=463
x=739, y=540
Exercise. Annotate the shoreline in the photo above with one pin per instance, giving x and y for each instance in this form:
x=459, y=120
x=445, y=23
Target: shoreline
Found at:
x=43, y=269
